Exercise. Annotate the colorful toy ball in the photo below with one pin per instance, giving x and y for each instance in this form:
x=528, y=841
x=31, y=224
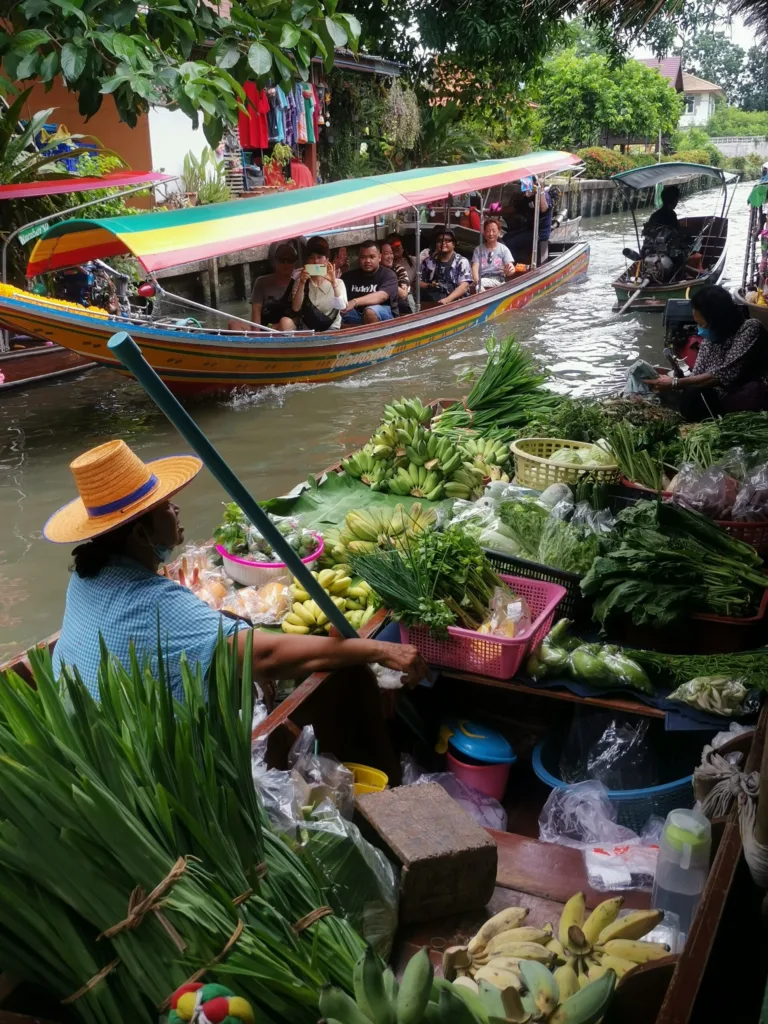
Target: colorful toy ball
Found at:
x=208, y=1004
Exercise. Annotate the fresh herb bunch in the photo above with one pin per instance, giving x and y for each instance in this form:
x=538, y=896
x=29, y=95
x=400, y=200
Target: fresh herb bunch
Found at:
x=525, y=519
x=640, y=459
x=437, y=580
x=570, y=419
x=509, y=393
x=707, y=442
x=232, y=532
x=674, y=669
x=568, y=546
x=668, y=563
x=97, y=798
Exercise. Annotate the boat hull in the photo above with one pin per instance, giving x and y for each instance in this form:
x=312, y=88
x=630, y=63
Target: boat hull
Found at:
x=654, y=298
x=38, y=364
x=193, y=360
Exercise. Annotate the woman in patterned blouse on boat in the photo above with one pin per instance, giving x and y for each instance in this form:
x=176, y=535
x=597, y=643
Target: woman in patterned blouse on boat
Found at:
x=731, y=369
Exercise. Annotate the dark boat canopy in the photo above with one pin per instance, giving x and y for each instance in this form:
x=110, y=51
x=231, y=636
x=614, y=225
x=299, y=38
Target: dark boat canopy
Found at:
x=653, y=174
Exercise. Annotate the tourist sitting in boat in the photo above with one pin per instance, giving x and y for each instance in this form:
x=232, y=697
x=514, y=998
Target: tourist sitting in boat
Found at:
x=519, y=211
x=371, y=289
x=445, y=275
x=318, y=299
x=405, y=301
x=126, y=526
x=731, y=369
x=492, y=262
x=404, y=260
x=341, y=260
x=271, y=293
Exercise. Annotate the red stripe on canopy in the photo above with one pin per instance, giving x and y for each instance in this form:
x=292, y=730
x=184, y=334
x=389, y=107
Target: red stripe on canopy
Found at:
x=60, y=186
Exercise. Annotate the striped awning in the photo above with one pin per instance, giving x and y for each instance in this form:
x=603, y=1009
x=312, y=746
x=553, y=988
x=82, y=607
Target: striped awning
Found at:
x=62, y=186
x=171, y=239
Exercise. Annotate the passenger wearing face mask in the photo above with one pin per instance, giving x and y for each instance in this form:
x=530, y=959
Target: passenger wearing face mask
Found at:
x=731, y=369
x=126, y=526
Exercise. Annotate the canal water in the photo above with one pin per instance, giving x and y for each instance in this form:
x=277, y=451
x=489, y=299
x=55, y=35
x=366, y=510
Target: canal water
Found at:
x=275, y=438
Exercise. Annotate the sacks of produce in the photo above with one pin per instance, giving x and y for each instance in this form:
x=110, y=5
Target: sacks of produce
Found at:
x=241, y=538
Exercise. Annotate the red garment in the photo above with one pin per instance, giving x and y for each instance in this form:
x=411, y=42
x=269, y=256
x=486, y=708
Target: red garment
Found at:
x=252, y=126
x=301, y=174
x=316, y=111
x=474, y=218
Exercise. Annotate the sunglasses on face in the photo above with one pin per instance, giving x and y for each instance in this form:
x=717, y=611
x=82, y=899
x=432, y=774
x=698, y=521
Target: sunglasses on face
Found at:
x=291, y=262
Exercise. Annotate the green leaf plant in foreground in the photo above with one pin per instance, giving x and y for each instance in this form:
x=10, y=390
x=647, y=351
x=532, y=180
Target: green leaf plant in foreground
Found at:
x=102, y=803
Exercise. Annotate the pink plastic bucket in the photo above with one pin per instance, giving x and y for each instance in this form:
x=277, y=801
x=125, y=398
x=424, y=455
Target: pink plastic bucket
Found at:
x=490, y=779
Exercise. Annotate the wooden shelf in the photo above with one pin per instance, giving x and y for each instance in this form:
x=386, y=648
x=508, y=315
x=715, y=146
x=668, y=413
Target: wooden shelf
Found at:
x=624, y=704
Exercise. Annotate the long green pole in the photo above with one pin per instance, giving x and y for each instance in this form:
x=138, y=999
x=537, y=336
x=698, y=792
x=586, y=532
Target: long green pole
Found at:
x=129, y=354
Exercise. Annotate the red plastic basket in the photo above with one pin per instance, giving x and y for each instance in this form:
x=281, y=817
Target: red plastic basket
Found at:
x=493, y=656
x=754, y=534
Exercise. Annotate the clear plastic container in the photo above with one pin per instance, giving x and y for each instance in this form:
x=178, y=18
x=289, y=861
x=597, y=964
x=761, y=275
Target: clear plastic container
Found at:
x=682, y=866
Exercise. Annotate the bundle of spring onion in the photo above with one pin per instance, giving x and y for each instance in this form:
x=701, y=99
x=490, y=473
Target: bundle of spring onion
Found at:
x=508, y=394
x=134, y=852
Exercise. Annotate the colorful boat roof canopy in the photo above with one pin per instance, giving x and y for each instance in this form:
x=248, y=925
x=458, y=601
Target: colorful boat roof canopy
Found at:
x=759, y=193
x=654, y=174
x=62, y=186
x=171, y=239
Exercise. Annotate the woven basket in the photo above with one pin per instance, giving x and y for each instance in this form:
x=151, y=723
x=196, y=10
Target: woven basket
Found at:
x=534, y=468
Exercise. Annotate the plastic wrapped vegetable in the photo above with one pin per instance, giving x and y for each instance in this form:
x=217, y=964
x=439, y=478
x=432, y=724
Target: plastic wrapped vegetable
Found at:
x=566, y=457
x=508, y=614
x=587, y=666
x=626, y=671
x=719, y=695
x=751, y=505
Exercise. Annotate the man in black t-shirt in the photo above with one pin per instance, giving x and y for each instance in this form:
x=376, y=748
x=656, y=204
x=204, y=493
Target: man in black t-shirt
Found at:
x=665, y=216
x=371, y=289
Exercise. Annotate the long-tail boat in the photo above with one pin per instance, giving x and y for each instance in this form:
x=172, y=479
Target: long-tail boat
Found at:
x=189, y=356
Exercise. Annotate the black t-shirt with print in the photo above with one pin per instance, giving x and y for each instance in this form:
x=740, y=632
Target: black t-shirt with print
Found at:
x=360, y=282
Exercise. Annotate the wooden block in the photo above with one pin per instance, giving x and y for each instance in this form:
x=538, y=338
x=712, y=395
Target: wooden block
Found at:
x=447, y=861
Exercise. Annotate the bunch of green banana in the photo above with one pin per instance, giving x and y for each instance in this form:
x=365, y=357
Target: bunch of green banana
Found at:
x=366, y=467
x=356, y=600
x=365, y=530
x=408, y=409
x=488, y=455
x=590, y=945
x=385, y=442
x=417, y=481
x=378, y=997
x=465, y=482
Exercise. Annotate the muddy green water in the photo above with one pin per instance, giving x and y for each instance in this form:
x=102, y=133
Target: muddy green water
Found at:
x=274, y=438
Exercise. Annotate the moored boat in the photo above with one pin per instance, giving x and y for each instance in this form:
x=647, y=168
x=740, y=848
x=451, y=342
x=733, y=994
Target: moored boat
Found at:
x=654, y=276
x=751, y=294
x=191, y=357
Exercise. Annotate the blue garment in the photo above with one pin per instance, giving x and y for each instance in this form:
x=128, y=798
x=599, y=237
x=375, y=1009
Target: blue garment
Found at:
x=354, y=316
x=122, y=604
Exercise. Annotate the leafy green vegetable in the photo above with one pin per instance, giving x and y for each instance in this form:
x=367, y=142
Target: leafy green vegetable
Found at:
x=638, y=462
x=707, y=442
x=231, y=533
x=674, y=669
x=563, y=545
x=525, y=519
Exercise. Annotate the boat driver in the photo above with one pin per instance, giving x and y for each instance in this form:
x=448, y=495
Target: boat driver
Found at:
x=125, y=526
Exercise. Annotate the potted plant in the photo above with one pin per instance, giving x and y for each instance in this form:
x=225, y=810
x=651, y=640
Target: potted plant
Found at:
x=205, y=178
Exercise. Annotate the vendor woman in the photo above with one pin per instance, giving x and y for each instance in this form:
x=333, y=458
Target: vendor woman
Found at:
x=125, y=526
x=731, y=369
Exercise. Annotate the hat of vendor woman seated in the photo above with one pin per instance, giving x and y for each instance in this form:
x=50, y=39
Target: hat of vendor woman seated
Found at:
x=115, y=486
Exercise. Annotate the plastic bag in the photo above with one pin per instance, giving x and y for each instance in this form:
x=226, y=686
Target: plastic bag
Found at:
x=608, y=750
x=326, y=777
x=569, y=538
x=711, y=492
x=508, y=615
x=751, y=504
x=262, y=606
x=473, y=516
x=484, y=809
x=639, y=372
x=581, y=816
x=719, y=695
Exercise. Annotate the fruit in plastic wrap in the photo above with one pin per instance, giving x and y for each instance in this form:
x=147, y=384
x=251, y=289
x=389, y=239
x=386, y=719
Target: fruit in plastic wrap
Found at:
x=508, y=615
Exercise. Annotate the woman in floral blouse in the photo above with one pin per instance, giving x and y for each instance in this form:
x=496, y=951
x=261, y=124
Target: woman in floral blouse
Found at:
x=731, y=370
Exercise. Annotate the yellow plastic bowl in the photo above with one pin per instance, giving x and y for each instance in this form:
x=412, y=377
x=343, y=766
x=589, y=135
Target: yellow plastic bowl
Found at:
x=367, y=780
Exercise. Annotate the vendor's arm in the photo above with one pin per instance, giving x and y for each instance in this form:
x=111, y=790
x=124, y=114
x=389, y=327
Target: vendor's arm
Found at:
x=457, y=293
x=281, y=656
x=670, y=383
x=476, y=266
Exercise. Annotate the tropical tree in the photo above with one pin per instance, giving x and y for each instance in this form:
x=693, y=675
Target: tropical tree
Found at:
x=714, y=57
x=754, y=91
x=178, y=53
x=584, y=99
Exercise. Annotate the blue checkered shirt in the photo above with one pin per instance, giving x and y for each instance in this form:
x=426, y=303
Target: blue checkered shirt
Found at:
x=122, y=603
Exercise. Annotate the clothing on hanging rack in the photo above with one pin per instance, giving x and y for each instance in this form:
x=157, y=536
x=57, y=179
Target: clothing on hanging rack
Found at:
x=252, y=125
x=276, y=116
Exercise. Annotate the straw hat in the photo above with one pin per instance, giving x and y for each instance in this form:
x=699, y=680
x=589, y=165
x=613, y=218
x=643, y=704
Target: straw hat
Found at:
x=115, y=487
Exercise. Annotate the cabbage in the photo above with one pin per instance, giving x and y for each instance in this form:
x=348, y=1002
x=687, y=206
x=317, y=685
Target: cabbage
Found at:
x=566, y=457
x=597, y=456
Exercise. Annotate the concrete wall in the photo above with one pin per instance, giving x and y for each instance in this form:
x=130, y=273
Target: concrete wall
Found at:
x=595, y=198
x=744, y=145
x=171, y=137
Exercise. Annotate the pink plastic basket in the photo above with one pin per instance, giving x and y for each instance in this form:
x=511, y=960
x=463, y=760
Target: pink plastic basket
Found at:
x=254, y=574
x=492, y=656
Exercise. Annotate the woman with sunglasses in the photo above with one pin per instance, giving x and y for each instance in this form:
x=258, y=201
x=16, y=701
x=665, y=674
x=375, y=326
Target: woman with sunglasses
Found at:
x=492, y=262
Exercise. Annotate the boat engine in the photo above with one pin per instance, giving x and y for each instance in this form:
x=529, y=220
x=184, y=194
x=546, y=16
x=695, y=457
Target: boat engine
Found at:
x=680, y=330
x=94, y=284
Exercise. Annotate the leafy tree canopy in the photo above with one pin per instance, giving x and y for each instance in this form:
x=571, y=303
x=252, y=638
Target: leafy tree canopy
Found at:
x=732, y=121
x=714, y=57
x=176, y=53
x=754, y=90
x=586, y=98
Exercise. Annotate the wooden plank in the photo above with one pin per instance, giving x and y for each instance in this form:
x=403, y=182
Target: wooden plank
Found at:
x=551, y=872
x=623, y=704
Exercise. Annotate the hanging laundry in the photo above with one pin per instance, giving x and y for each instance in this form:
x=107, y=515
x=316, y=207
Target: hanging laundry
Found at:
x=301, y=116
x=316, y=111
x=252, y=125
x=290, y=120
x=309, y=112
x=276, y=115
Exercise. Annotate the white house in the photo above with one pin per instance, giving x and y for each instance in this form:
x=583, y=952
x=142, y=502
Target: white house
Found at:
x=700, y=99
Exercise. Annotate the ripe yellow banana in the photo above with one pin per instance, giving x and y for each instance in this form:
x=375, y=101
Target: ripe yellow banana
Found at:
x=500, y=946
x=501, y=979
x=567, y=981
x=467, y=983
x=632, y=926
x=512, y=917
x=636, y=951
x=289, y=627
x=601, y=917
x=304, y=613
x=505, y=963
x=588, y=1004
x=326, y=577
x=573, y=914
x=615, y=963
x=554, y=947
x=593, y=974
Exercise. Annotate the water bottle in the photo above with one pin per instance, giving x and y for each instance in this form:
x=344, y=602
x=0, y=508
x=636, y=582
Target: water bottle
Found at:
x=682, y=866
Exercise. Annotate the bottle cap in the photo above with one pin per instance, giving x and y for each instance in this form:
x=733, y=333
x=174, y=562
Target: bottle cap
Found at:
x=687, y=831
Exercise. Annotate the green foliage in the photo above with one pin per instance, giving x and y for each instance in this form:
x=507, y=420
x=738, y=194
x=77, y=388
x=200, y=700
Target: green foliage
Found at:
x=698, y=156
x=157, y=52
x=731, y=121
x=448, y=137
x=604, y=163
x=715, y=58
x=754, y=89
x=584, y=99
x=206, y=176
